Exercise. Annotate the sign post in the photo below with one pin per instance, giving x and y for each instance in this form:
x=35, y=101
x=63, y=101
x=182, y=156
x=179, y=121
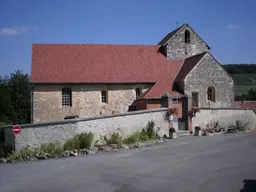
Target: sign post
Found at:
x=16, y=129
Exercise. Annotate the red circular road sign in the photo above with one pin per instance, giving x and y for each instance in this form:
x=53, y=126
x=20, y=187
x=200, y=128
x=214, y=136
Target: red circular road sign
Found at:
x=16, y=129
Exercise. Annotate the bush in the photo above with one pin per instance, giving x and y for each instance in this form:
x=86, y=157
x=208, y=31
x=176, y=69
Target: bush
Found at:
x=80, y=141
x=21, y=155
x=133, y=138
x=115, y=138
x=212, y=126
x=150, y=130
x=71, y=144
x=16, y=156
x=144, y=135
x=3, y=124
x=85, y=140
x=53, y=149
x=239, y=126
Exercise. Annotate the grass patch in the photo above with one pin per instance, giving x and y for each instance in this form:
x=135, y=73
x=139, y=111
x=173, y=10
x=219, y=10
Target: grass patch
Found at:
x=244, y=82
x=245, y=78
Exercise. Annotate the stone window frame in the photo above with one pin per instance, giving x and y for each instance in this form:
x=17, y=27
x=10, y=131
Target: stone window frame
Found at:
x=104, y=96
x=66, y=97
x=138, y=92
x=211, y=94
x=187, y=36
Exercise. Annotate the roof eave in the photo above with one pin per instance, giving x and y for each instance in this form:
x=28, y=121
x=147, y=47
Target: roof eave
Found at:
x=40, y=82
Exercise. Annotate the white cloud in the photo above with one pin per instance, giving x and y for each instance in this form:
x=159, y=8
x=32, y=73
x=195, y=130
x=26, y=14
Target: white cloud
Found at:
x=230, y=26
x=17, y=30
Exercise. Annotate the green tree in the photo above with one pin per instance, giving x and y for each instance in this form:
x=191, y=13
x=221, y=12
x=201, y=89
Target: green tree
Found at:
x=15, y=98
x=250, y=96
x=5, y=102
x=20, y=95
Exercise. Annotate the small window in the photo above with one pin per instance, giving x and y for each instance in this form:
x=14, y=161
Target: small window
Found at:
x=138, y=92
x=211, y=94
x=104, y=96
x=195, y=100
x=187, y=36
x=66, y=97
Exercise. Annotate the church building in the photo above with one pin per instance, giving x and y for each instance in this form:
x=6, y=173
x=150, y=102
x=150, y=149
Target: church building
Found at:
x=102, y=79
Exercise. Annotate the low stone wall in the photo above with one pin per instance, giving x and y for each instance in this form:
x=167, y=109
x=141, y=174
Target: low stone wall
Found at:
x=34, y=135
x=225, y=117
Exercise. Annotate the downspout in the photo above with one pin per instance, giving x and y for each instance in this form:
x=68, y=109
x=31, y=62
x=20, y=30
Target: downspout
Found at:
x=32, y=103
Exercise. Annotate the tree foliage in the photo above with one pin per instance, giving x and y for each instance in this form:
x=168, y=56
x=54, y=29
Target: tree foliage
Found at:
x=240, y=68
x=15, y=98
x=250, y=96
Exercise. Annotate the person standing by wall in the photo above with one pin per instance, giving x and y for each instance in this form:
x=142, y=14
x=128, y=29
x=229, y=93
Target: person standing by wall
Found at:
x=172, y=112
x=171, y=120
x=171, y=116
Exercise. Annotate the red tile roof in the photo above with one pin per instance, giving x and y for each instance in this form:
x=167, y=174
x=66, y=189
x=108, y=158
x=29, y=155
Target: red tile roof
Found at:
x=246, y=104
x=88, y=63
x=98, y=63
x=188, y=65
x=161, y=87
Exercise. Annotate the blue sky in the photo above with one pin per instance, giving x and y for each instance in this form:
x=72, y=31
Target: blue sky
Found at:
x=227, y=26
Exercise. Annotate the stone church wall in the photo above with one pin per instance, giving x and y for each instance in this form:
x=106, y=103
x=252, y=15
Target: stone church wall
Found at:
x=209, y=73
x=86, y=100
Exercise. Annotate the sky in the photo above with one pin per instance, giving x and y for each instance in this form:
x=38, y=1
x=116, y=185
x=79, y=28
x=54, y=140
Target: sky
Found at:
x=227, y=26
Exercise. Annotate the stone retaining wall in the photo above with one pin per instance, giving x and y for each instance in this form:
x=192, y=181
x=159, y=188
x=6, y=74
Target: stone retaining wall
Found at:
x=225, y=117
x=34, y=135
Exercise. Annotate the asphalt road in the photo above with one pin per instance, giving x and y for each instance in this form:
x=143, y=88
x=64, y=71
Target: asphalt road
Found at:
x=198, y=164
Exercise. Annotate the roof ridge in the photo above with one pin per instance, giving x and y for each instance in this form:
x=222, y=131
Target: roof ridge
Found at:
x=170, y=34
x=94, y=44
x=199, y=54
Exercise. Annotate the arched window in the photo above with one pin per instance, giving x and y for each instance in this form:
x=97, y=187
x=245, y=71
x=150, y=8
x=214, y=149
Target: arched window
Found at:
x=211, y=94
x=138, y=92
x=66, y=97
x=187, y=36
x=104, y=96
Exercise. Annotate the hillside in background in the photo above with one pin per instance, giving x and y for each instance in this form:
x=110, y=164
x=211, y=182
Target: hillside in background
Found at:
x=244, y=76
x=240, y=68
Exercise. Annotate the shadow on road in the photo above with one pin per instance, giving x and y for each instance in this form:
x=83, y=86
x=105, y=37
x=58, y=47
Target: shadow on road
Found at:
x=249, y=186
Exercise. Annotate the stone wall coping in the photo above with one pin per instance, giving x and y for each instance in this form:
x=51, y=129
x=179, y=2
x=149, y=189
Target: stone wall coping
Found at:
x=224, y=108
x=73, y=121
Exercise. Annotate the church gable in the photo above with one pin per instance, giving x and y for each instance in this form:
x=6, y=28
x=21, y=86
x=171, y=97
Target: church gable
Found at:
x=210, y=68
x=182, y=43
x=210, y=83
